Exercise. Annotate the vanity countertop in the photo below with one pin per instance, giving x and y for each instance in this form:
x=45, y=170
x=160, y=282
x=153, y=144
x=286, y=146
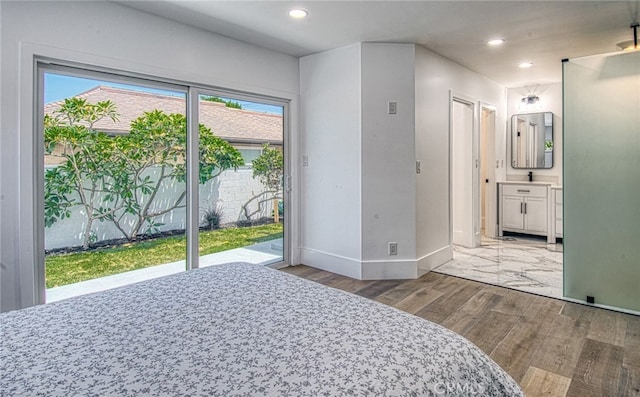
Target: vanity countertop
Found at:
x=526, y=183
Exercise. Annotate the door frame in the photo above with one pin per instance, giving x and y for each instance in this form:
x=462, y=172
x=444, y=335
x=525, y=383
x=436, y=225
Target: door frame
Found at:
x=192, y=183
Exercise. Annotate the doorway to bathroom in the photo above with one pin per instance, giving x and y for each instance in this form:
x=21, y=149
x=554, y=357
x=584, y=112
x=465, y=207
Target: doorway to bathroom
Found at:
x=473, y=178
x=522, y=262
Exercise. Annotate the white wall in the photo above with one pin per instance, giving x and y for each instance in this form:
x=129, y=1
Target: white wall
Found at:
x=113, y=36
x=330, y=95
x=550, y=101
x=388, y=160
x=359, y=187
x=350, y=139
x=435, y=77
x=229, y=192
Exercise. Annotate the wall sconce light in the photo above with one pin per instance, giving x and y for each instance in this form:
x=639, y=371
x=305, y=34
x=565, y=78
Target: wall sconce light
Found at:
x=530, y=99
x=529, y=103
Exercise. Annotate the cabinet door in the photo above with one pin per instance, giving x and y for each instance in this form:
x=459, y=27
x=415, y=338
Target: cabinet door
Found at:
x=535, y=218
x=512, y=216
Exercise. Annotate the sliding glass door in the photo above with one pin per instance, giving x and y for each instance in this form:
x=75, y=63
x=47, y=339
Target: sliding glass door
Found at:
x=140, y=180
x=114, y=181
x=241, y=171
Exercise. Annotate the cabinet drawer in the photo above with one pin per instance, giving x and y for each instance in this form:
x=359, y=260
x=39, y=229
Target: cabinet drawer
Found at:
x=524, y=190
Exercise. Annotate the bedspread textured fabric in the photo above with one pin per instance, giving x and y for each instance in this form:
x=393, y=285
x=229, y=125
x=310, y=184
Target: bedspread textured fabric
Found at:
x=236, y=329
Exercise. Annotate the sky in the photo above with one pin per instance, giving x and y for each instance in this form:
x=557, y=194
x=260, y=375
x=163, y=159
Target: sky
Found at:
x=57, y=87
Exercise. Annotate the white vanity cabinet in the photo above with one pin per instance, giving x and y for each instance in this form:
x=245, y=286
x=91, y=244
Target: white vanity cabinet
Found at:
x=524, y=208
x=556, y=214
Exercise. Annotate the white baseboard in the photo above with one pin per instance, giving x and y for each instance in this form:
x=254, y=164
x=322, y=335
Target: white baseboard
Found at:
x=361, y=270
x=435, y=259
x=332, y=263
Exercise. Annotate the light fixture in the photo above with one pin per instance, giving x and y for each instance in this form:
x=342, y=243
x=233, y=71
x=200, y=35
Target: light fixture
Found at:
x=530, y=102
x=530, y=99
x=298, y=13
x=525, y=65
x=495, y=42
x=629, y=45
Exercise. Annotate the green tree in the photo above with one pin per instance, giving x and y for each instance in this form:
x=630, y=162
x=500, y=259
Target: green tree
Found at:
x=156, y=148
x=91, y=169
x=118, y=178
x=269, y=169
x=227, y=103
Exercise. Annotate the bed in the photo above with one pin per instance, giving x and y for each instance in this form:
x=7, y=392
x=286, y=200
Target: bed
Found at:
x=236, y=330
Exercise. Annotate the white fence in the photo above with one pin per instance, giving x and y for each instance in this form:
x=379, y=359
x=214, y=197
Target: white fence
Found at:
x=229, y=191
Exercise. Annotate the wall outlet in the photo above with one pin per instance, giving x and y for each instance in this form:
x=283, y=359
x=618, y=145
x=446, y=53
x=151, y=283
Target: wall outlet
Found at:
x=393, y=248
x=305, y=160
x=392, y=107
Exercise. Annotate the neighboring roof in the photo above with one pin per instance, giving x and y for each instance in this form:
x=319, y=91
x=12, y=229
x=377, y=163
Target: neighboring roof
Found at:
x=233, y=125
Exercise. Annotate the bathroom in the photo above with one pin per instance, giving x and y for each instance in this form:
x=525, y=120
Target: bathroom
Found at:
x=520, y=226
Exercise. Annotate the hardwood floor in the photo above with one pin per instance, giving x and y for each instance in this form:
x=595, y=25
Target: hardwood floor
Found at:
x=549, y=346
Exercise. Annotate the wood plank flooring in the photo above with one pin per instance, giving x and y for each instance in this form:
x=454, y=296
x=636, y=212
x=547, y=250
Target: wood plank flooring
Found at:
x=549, y=346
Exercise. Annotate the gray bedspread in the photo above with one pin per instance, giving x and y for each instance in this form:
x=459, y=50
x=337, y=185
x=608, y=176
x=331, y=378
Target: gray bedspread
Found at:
x=231, y=330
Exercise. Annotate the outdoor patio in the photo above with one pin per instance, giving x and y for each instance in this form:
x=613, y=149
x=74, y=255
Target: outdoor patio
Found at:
x=264, y=253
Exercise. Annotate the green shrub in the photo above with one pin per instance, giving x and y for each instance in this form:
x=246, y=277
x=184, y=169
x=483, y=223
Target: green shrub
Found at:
x=212, y=217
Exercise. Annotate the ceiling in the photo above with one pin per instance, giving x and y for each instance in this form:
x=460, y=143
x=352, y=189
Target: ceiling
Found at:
x=542, y=32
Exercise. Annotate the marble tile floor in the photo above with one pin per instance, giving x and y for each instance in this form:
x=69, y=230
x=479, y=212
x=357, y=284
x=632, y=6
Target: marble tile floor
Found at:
x=523, y=263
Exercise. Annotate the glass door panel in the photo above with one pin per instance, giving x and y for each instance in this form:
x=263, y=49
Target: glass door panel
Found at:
x=114, y=183
x=241, y=195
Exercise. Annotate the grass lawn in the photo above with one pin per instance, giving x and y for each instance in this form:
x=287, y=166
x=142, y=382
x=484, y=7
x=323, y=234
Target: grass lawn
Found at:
x=62, y=269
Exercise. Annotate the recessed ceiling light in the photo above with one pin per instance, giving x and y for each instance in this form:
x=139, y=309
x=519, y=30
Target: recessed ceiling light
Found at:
x=495, y=42
x=525, y=65
x=298, y=13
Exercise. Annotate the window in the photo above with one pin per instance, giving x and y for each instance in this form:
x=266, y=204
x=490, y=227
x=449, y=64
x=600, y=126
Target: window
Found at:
x=250, y=154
